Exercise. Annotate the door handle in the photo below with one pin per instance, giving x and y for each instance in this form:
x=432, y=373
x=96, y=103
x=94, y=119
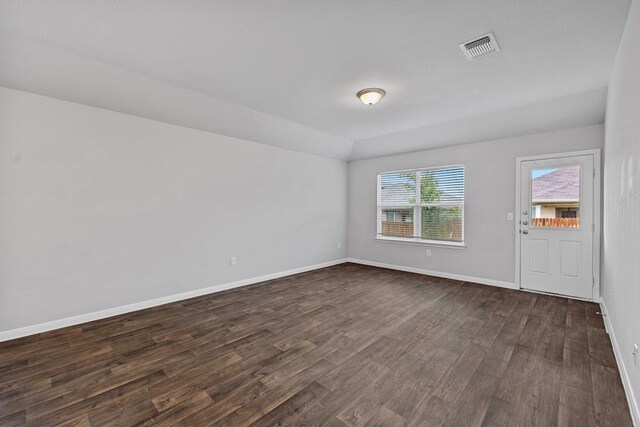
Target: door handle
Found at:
x=525, y=231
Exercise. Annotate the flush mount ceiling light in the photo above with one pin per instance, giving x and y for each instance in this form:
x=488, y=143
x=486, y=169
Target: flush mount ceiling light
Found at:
x=370, y=96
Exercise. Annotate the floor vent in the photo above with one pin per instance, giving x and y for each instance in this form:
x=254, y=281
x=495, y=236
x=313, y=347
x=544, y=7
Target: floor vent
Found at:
x=481, y=46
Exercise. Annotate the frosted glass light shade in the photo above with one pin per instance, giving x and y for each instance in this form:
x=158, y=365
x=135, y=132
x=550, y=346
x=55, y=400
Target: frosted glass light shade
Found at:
x=370, y=96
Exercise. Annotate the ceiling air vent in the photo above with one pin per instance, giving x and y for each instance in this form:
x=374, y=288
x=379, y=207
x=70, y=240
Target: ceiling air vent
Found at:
x=481, y=46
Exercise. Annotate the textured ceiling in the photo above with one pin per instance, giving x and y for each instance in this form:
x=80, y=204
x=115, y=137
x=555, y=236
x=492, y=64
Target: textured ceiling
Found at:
x=286, y=72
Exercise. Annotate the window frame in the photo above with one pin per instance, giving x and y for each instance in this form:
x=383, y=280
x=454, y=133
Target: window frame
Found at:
x=417, y=210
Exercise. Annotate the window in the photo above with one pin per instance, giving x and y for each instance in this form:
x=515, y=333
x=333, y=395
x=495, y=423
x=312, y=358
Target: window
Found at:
x=422, y=205
x=555, y=197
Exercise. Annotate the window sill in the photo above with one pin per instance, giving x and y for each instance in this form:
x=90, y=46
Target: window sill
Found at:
x=452, y=245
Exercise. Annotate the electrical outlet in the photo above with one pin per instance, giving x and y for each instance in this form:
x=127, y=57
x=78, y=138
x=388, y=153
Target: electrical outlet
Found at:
x=428, y=252
x=233, y=260
x=636, y=356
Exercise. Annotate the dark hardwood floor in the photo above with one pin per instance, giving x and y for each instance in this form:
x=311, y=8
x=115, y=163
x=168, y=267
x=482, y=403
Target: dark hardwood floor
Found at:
x=345, y=345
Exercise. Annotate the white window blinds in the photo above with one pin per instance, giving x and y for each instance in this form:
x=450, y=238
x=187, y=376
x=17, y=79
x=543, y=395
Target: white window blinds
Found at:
x=422, y=204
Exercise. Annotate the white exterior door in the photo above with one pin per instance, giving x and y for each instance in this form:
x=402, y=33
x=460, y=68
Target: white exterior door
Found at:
x=557, y=226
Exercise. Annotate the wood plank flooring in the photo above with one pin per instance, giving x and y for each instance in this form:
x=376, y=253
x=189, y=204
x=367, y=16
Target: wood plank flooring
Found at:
x=342, y=346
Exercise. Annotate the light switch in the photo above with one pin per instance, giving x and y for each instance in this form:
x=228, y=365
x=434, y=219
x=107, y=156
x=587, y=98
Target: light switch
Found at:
x=509, y=216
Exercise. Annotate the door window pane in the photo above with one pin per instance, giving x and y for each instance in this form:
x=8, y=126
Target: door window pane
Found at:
x=555, y=197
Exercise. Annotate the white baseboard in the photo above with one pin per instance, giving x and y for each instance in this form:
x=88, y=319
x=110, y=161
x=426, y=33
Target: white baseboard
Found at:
x=626, y=382
x=110, y=312
x=460, y=277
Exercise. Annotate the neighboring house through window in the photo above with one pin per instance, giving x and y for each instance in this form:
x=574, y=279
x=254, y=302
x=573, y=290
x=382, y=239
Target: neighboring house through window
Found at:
x=555, y=197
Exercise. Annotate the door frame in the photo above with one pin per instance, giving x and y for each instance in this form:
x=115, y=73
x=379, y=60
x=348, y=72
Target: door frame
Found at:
x=597, y=212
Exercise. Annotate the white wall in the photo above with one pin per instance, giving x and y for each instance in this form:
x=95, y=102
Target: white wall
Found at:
x=621, y=244
x=100, y=209
x=489, y=193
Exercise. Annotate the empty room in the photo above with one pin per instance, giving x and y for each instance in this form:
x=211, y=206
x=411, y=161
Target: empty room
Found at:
x=320, y=213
